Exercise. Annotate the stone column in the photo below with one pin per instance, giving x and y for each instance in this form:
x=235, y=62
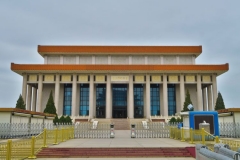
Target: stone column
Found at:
x=199, y=94
x=148, y=114
x=165, y=96
x=214, y=88
x=209, y=93
x=57, y=90
x=24, y=88
x=29, y=99
x=40, y=87
x=130, y=98
x=182, y=91
x=205, y=99
x=74, y=95
x=34, y=99
x=91, y=85
x=108, y=98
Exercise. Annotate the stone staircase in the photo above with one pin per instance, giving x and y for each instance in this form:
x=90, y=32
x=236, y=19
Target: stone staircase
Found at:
x=113, y=152
x=121, y=124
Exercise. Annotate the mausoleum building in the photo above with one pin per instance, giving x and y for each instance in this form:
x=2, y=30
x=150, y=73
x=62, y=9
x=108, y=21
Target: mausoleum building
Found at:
x=119, y=81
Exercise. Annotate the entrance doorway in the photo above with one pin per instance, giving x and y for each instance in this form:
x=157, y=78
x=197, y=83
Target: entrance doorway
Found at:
x=138, y=101
x=100, y=101
x=119, y=100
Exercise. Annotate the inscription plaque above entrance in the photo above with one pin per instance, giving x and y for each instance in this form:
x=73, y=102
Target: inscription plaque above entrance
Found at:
x=119, y=78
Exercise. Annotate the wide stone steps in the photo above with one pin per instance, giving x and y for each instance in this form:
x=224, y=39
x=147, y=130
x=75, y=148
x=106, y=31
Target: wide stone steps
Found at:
x=112, y=152
x=121, y=124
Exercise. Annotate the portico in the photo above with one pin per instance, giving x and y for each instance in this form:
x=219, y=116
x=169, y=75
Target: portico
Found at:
x=119, y=81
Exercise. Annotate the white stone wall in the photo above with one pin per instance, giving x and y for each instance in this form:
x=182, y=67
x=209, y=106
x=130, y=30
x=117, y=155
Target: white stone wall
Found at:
x=36, y=120
x=237, y=117
x=120, y=60
x=20, y=119
x=5, y=117
x=85, y=60
x=48, y=121
x=169, y=59
x=185, y=60
x=101, y=59
x=138, y=59
x=53, y=60
x=154, y=60
x=225, y=119
x=69, y=60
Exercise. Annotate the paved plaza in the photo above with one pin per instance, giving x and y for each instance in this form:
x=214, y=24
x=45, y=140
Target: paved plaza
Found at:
x=122, y=139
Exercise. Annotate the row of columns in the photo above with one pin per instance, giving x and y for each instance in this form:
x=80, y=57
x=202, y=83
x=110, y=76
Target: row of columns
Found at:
x=205, y=96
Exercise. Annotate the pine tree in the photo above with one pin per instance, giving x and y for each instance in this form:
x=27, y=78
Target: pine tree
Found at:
x=179, y=119
x=173, y=120
x=56, y=120
x=219, y=103
x=50, y=107
x=68, y=120
x=62, y=120
x=20, y=103
x=187, y=102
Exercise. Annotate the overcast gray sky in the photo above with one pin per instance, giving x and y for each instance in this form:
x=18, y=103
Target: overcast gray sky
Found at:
x=213, y=24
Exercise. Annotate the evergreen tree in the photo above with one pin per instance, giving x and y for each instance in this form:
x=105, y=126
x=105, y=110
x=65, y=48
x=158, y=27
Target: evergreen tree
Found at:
x=219, y=103
x=50, y=107
x=20, y=103
x=68, y=120
x=62, y=120
x=56, y=120
x=187, y=102
x=179, y=119
x=173, y=120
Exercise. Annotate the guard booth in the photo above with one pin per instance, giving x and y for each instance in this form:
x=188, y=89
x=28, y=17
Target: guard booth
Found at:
x=201, y=119
x=204, y=119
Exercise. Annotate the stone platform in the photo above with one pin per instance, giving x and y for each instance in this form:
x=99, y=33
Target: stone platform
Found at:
x=122, y=140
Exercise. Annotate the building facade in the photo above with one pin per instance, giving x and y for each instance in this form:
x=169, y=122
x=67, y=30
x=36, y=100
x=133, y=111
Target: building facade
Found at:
x=119, y=81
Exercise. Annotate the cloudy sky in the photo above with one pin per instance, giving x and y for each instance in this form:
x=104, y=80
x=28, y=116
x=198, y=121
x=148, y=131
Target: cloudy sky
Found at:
x=213, y=24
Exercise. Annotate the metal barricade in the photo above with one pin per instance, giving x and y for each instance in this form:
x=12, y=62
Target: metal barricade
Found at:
x=85, y=130
x=229, y=130
x=152, y=130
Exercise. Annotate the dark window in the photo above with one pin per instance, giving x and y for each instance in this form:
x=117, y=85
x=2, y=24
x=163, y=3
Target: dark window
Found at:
x=138, y=101
x=119, y=100
x=67, y=105
x=100, y=100
x=171, y=99
x=84, y=100
x=155, y=99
